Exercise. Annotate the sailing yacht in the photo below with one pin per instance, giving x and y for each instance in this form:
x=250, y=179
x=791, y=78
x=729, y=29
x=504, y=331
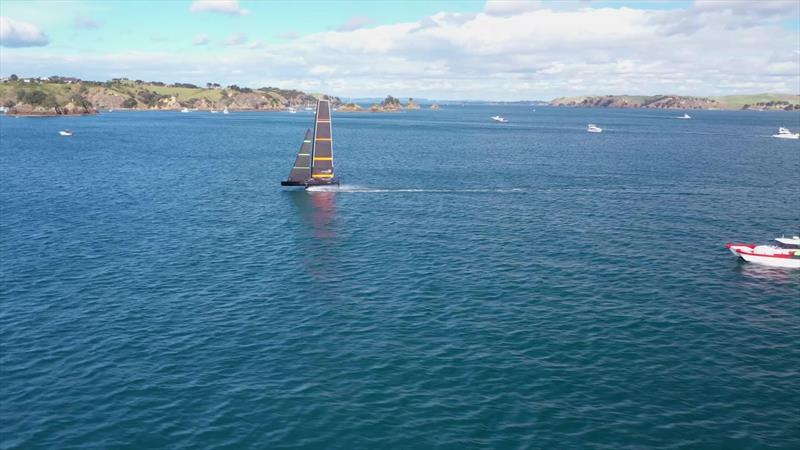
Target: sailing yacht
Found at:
x=225, y=111
x=313, y=165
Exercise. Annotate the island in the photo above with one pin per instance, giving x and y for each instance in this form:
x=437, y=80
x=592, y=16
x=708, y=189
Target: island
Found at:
x=762, y=102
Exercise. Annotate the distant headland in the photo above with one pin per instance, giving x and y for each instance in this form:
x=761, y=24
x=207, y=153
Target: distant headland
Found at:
x=52, y=96
x=57, y=95
x=761, y=102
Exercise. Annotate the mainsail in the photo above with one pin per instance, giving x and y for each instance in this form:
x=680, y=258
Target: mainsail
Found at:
x=314, y=163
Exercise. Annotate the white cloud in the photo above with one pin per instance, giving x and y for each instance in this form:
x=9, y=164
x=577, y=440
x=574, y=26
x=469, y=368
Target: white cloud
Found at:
x=509, y=7
x=219, y=6
x=356, y=22
x=236, y=39
x=200, y=39
x=15, y=33
x=536, y=53
x=254, y=45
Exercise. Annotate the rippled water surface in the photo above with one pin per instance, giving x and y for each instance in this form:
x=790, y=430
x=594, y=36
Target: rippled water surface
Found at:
x=471, y=285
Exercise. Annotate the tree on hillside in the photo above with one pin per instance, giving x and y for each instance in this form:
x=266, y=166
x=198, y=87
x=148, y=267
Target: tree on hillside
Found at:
x=390, y=101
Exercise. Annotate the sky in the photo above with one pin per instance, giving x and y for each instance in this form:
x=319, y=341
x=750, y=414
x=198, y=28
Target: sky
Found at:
x=467, y=49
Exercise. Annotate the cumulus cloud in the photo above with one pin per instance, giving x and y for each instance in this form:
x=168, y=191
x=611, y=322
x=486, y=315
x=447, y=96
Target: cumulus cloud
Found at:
x=356, y=22
x=85, y=23
x=509, y=7
x=536, y=53
x=200, y=39
x=230, y=7
x=16, y=33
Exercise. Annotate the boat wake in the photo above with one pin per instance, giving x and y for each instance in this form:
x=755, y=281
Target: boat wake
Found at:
x=367, y=190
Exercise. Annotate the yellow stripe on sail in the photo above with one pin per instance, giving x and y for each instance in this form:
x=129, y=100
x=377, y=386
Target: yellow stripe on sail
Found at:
x=323, y=139
x=324, y=121
x=323, y=159
x=322, y=175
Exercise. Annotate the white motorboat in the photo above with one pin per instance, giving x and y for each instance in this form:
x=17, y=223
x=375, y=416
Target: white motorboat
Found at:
x=785, y=254
x=499, y=119
x=65, y=133
x=185, y=110
x=292, y=111
x=784, y=133
x=684, y=116
x=592, y=128
x=214, y=111
x=225, y=111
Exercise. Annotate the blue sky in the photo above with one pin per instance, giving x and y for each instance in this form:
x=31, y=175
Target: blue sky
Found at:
x=496, y=49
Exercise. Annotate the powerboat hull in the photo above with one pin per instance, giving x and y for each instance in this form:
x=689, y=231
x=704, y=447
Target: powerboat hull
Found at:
x=766, y=255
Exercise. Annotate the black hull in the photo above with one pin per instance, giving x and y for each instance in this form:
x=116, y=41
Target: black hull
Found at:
x=312, y=182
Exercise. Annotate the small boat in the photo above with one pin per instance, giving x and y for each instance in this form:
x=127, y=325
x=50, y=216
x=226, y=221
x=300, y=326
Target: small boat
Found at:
x=784, y=133
x=785, y=254
x=110, y=110
x=292, y=111
x=592, y=128
x=684, y=116
x=499, y=119
x=225, y=111
x=65, y=133
x=313, y=165
x=185, y=110
x=214, y=111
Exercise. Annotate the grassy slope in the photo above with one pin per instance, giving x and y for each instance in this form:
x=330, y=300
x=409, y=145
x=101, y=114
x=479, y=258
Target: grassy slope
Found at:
x=737, y=101
x=62, y=92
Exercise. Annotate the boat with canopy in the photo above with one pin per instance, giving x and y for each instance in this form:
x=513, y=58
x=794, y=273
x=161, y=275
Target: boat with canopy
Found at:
x=313, y=165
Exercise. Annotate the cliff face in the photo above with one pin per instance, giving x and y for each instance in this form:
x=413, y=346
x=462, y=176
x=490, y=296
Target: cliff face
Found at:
x=70, y=109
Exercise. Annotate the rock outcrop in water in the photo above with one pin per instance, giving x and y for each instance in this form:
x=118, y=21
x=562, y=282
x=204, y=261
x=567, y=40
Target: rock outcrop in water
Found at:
x=350, y=107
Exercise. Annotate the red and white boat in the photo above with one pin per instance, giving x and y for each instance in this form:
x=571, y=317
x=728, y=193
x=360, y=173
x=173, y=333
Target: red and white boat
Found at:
x=785, y=254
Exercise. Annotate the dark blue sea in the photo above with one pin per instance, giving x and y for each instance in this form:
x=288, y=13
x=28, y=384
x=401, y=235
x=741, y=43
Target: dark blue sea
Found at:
x=526, y=285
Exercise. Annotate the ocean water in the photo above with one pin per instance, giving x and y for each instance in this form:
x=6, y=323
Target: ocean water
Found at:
x=470, y=285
